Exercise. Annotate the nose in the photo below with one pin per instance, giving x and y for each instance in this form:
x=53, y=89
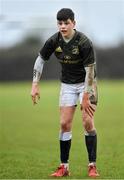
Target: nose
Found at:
x=62, y=26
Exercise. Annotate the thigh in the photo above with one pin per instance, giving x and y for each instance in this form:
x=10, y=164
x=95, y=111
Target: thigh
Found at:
x=66, y=117
x=67, y=112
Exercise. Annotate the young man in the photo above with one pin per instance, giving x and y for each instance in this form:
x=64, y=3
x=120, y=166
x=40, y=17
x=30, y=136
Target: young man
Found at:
x=75, y=53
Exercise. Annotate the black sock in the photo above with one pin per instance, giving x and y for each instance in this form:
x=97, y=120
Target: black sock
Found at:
x=91, y=144
x=64, y=150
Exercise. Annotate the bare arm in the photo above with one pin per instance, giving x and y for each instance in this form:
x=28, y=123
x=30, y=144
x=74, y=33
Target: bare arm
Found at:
x=37, y=71
x=38, y=68
x=89, y=79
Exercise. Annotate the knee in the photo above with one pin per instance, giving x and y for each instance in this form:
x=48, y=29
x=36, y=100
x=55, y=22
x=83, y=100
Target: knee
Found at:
x=87, y=126
x=65, y=125
x=88, y=123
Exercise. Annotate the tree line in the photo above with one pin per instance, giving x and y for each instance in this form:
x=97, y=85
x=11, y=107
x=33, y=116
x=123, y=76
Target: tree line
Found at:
x=16, y=63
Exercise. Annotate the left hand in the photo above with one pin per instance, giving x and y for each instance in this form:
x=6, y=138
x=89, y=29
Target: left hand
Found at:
x=35, y=93
x=86, y=105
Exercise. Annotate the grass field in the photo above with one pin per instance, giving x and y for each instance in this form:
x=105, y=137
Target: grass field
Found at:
x=29, y=147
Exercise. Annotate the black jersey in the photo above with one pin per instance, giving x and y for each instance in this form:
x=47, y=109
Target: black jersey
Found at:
x=73, y=56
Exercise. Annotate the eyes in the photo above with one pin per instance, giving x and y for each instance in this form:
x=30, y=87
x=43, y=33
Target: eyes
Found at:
x=63, y=23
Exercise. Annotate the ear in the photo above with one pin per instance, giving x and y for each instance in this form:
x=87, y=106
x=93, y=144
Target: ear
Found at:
x=74, y=23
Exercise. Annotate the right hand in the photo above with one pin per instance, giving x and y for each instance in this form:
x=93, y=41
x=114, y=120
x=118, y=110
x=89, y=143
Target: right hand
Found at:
x=35, y=93
x=86, y=105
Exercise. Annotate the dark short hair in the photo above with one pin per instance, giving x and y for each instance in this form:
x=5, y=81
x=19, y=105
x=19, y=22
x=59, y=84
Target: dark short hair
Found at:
x=64, y=14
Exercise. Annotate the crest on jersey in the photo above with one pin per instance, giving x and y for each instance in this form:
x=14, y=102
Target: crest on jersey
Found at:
x=58, y=49
x=75, y=50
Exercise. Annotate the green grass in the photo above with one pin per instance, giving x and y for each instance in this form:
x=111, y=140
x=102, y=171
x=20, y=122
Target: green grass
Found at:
x=29, y=147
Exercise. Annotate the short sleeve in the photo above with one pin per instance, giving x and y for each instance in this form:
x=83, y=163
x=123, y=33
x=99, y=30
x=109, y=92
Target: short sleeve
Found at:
x=47, y=49
x=87, y=53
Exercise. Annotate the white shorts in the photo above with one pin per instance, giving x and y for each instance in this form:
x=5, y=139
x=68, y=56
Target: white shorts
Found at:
x=70, y=94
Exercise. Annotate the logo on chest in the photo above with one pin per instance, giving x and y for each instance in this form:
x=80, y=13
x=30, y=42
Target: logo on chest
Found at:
x=75, y=50
x=58, y=49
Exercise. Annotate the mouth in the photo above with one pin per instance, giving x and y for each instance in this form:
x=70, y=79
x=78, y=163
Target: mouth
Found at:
x=63, y=31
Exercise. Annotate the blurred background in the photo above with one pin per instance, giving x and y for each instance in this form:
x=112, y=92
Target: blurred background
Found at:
x=26, y=24
x=29, y=134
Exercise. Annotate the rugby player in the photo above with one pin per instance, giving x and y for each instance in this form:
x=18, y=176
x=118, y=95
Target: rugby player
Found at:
x=75, y=53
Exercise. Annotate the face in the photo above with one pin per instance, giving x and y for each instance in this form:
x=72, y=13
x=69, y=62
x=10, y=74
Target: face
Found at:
x=66, y=27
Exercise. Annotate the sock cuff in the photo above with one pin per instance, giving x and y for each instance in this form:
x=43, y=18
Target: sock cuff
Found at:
x=90, y=133
x=92, y=164
x=65, y=136
x=66, y=165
